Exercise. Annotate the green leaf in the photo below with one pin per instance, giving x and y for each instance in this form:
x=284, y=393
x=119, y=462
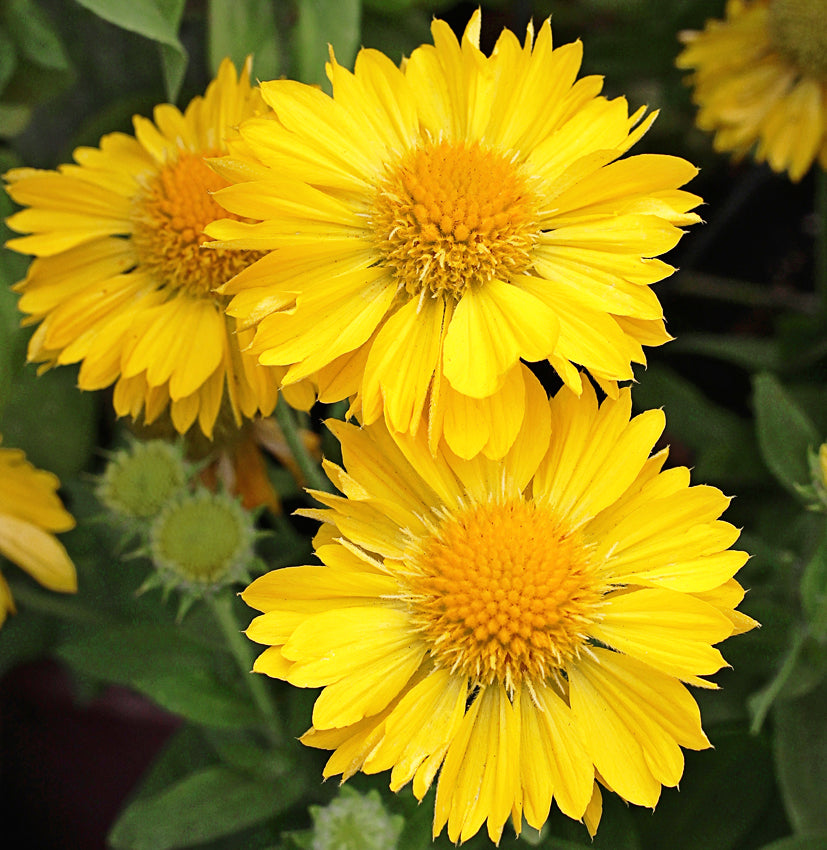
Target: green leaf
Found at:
x=34, y=35
x=154, y=19
x=242, y=750
x=801, y=759
x=722, y=443
x=14, y=118
x=8, y=59
x=239, y=29
x=808, y=841
x=210, y=803
x=785, y=432
x=749, y=352
x=814, y=591
x=723, y=794
x=761, y=702
x=160, y=662
x=323, y=22
x=144, y=17
x=49, y=419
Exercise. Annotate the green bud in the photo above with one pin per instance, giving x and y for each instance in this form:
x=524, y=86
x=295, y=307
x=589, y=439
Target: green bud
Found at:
x=142, y=478
x=202, y=541
x=354, y=821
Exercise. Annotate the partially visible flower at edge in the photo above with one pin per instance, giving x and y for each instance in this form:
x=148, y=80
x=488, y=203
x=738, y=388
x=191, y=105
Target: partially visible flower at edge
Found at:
x=430, y=226
x=30, y=514
x=120, y=282
x=524, y=628
x=760, y=81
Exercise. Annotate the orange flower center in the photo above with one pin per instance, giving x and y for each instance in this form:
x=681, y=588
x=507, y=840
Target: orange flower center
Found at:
x=169, y=220
x=503, y=592
x=452, y=215
x=799, y=31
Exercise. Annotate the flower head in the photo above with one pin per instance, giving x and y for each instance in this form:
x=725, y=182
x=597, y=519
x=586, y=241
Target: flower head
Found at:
x=30, y=514
x=120, y=282
x=429, y=226
x=760, y=80
x=523, y=627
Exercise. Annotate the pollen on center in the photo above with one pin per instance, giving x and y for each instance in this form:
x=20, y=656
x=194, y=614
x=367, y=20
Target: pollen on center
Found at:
x=169, y=218
x=502, y=592
x=449, y=216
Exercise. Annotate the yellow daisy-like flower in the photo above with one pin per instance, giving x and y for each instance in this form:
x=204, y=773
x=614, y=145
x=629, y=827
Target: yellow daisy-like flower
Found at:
x=120, y=282
x=760, y=80
x=30, y=514
x=523, y=627
x=434, y=224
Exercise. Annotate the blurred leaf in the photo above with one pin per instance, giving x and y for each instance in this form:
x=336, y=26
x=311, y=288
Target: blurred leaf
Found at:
x=749, y=352
x=209, y=803
x=27, y=635
x=49, y=419
x=160, y=662
x=814, y=591
x=801, y=758
x=323, y=22
x=8, y=59
x=241, y=750
x=809, y=841
x=33, y=63
x=238, y=29
x=14, y=118
x=12, y=268
x=145, y=17
x=722, y=443
x=173, y=57
x=722, y=794
x=184, y=752
x=785, y=432
x=760, y=703
x=154, y=19
x=33, y=34
x=388, y=7
x=396, y=35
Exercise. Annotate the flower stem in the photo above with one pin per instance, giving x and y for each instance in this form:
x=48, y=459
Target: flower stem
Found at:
x=313, y=475
x=221, y=605
x=821, y=238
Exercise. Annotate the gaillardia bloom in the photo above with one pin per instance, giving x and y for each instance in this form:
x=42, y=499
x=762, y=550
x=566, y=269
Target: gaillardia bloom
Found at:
x=120, y=282
x=430, y=226
x=523, y=627
x=30, y=514
x=760, y=80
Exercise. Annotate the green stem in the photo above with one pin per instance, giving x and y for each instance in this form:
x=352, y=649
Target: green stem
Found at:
x=311, y=470
x=241, y=649
x=821, y=238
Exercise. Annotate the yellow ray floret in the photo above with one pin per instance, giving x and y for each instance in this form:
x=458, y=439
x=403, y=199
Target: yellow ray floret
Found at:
x=120, y=282
x=30, y=514
x=760, y=81
x=520, y=628
x=430, y=226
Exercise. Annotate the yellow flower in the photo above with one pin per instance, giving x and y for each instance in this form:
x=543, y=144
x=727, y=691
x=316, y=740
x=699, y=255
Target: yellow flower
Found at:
x=434, y=224
x=760, y=80
x=30, y=513
x=120, y=282
x=523, y=627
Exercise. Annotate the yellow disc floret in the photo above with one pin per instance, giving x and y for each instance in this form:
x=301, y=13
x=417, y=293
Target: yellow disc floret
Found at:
x=504, y=592
x=454, y=215
x=170, y=217
x=799, y=31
